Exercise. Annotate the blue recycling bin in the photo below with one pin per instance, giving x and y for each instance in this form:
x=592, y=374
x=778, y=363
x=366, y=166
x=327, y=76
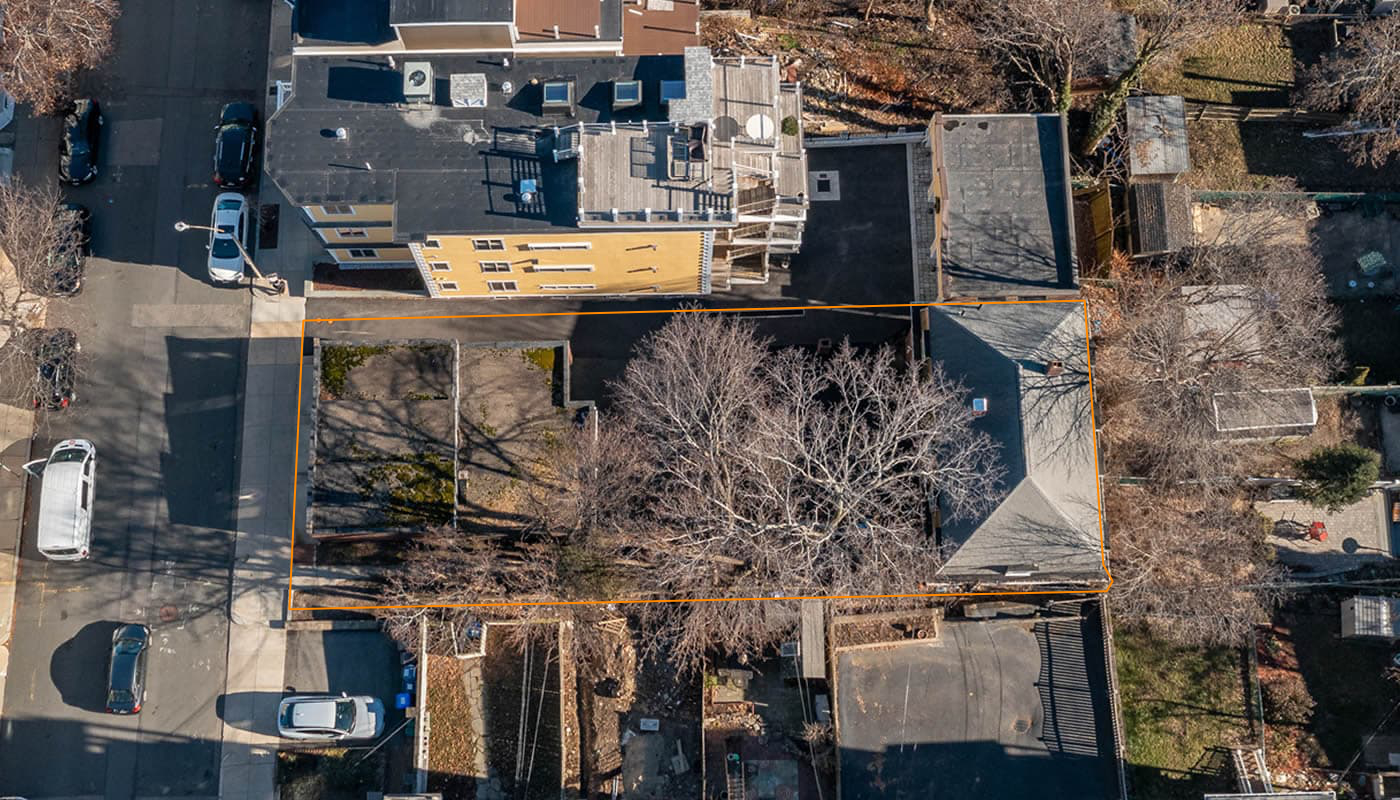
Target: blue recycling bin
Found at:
x=403, y=700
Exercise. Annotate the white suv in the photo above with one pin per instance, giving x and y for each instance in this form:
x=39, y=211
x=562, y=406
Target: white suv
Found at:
x=330, y=718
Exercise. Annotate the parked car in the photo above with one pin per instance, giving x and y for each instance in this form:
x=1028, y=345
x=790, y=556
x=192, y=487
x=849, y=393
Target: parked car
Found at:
x=55, y=353
x=330, y=718
x=65, y=276
x=126, y=671
x=82, y=136
x=229, y=220
x=235, y=146
x=65, y=499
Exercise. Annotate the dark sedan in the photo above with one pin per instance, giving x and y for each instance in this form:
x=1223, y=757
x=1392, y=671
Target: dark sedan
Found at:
x=65, y=277
x=77, y=150
x=235, y=146
x=126, y=677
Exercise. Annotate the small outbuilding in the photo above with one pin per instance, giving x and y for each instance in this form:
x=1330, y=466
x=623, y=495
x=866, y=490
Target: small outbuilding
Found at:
x=1371, y=617
x=1265, y=414
x=1161, y=217
x=1157, y=146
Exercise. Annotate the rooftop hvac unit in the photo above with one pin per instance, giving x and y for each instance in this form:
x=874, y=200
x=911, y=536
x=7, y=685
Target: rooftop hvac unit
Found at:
x=417, y=82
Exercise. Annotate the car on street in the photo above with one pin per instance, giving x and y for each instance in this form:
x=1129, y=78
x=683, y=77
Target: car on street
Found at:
x=66, y=494
x=78, y=148
x=126, y=670
x=330, y=717
x=65, y=275
x=55, y=353
x=228, y=227
x=235, y=146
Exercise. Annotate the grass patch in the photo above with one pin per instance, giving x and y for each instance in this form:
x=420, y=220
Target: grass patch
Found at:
x=1179, y=704
x=541, y=357
x=1249, y=65
x=338, y=360
x=416, y=490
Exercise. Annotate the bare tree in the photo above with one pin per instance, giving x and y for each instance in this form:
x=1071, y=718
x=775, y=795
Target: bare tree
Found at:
x=1191, y=565
x=727, y=470
x=1165, y=28
x=810, y=475
x=1048, y=42
x=40, y=255
x=43, y=43
x=1362, y=78
x=1241, y=313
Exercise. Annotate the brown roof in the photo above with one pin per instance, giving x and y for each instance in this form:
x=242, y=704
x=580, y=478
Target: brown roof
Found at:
x=576, y=19
x=648, y=29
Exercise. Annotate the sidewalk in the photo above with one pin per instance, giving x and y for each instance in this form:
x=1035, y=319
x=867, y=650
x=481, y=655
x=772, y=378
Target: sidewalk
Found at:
x=16, y=428
x=258, y=605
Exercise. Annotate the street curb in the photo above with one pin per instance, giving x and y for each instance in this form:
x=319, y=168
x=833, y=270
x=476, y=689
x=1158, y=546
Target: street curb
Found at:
x=332, y=625
x=9, y=581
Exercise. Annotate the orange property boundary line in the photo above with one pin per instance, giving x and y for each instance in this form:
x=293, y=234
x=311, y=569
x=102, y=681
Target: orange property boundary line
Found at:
x=1098, y=488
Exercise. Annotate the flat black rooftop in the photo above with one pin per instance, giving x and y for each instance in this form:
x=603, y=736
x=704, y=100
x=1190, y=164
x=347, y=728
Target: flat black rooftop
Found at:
x=1010, y=228
x=995, y=709
x=449, y=170
x=410, y=11
x=342, y=22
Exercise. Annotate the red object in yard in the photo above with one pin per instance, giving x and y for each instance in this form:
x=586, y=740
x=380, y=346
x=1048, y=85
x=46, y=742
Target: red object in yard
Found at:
x=1318, y=532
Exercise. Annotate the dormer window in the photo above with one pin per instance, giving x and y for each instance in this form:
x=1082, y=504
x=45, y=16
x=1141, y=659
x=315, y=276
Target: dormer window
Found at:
x=626, y=93
x=558, y=97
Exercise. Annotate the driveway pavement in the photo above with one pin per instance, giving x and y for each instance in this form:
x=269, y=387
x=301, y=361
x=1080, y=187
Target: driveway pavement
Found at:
x=160, y=396
x=988, y=709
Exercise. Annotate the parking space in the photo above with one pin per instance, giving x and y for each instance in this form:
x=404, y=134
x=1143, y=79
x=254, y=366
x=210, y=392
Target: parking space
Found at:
x=1014, y=709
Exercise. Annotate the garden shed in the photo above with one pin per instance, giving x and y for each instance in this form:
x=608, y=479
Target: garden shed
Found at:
x=1370, y=616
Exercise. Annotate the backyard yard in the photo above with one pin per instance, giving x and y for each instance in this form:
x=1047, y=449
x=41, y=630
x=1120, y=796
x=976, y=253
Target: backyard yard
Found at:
x=1182, y=708
x=1257, y=66
x=1323, y=694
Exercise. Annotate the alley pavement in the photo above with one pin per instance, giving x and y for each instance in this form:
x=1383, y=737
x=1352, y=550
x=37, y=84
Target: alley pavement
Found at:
x=159, y=394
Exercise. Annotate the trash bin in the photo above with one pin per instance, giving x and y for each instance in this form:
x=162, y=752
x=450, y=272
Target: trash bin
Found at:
x=403, y=700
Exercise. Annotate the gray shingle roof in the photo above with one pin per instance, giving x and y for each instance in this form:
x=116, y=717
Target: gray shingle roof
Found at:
x=1048, y=522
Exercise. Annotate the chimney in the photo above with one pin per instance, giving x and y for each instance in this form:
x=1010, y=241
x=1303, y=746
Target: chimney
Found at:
x=1054, y=368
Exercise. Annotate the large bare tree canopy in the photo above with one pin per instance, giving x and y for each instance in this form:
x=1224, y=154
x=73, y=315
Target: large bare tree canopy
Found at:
x=1362, y=79
x=725, y=468
x=813, y=473
x=44, y=42
x=1047, y=42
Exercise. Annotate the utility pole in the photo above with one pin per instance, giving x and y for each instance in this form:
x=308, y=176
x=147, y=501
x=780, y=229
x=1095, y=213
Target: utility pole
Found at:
x=271, y=282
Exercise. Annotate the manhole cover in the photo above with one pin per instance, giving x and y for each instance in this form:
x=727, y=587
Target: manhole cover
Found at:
x=1021, y=725
x=169, y=613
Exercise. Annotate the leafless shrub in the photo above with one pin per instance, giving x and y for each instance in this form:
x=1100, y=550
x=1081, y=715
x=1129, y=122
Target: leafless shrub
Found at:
x=44, y=42
x=1192, y=565
x=1047, y=42
x=1362, y=79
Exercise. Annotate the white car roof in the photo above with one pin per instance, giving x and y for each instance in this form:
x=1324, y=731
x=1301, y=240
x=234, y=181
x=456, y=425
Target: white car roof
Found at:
x=314, y=714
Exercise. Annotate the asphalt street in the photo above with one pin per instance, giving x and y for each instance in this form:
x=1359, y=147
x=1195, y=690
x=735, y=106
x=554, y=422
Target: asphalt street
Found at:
x=159, y=394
